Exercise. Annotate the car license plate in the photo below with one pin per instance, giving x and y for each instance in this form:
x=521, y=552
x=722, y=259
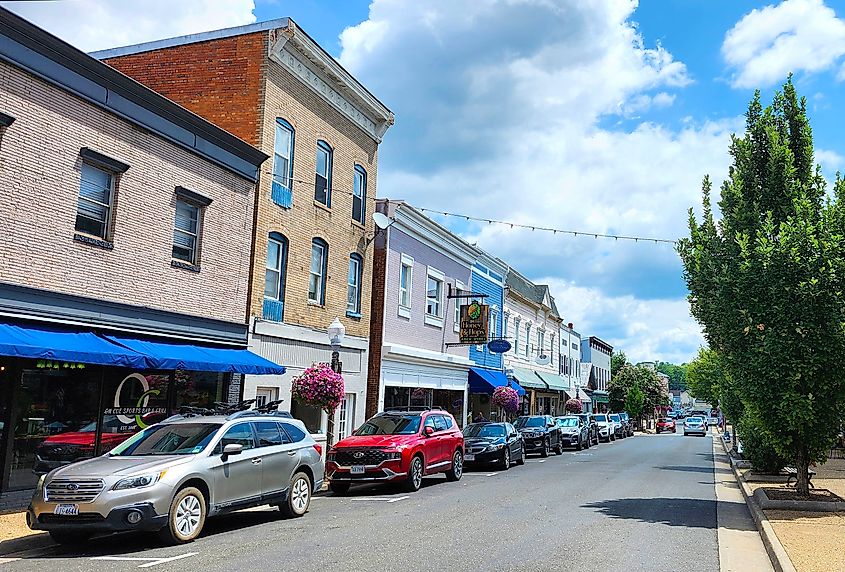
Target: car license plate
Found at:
x=66, y=509
x=357, y=470
x=469, y=457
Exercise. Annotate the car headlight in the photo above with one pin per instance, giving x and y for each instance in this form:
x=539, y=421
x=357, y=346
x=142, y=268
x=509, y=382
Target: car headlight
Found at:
x=138, y=482
x=40, y=486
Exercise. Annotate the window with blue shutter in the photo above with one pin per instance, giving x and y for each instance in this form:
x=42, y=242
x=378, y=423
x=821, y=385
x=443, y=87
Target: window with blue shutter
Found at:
x=282, y=186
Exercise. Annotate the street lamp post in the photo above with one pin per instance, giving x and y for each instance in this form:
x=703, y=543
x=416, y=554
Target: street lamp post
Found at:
x=336, y=333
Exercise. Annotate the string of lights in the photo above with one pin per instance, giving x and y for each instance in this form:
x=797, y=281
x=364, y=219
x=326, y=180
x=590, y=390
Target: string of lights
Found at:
x=532, y=227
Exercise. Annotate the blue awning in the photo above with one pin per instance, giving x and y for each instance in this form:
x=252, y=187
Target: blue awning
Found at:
x=171, y=355
x=56, y=344
x=486, y=380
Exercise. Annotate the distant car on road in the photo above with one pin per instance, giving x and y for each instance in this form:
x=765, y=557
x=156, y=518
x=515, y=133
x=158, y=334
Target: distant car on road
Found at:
x=665, y=424
x=574, y=432
x=606, y=432
x=629, y=425
x=695, y=426
x=540, y=433
x=498, y=443
x=593, y=427
x=618, y=427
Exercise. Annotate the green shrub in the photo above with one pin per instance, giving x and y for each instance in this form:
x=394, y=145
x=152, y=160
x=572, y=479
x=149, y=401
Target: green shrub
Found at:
x=757, y=449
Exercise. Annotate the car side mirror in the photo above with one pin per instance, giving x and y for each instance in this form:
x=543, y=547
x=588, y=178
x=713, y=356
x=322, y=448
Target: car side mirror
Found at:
x=428, y=431
x=232, y=449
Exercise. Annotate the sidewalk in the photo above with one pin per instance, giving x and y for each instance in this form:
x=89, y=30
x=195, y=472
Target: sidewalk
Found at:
x=15, y=535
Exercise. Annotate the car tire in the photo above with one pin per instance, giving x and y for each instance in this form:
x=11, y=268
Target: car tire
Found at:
x=559, y=448
x=578, y=445
x=545, y=451
x=339, y=488
x=186, y=517
x=415, y=473
x=457, y=471
x=521, y=460
x=70, y=537
x=299, y=496
x=506, y=459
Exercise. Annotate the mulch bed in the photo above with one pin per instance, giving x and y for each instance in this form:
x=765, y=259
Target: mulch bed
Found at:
x=822, y=495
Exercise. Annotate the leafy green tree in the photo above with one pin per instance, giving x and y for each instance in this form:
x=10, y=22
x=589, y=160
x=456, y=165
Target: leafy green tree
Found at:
x=634, y=402
x=677, y=375
x=646, y=382
x=617, y=360
x=767, y=281
x=705, y=376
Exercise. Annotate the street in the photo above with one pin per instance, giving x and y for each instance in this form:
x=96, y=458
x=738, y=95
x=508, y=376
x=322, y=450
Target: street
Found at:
x=642, y=503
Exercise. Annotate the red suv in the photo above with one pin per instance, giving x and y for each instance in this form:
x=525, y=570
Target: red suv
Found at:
x=398, y=446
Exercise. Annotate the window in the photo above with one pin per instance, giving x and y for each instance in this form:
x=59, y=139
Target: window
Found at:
x=353, y=288
x=323, y=178
x=505, y=318
x=282, y=186
x=186, y=232
x=93, y=212
x=494, y=323
x=516, y=322
x=528, y=339
x=359, y=194
x=456, y=325
x=552, y=349
x=317, y=278
x=345, y=416
x=240, y=434
x=268, y=434
x=434, y=297
x=274, y=275
x=295, y=433
x=541, y=341
x=439, y=423
x=265, y=395
x=406, y=277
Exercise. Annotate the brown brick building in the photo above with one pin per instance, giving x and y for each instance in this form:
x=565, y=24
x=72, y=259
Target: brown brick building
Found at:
x=272, y=85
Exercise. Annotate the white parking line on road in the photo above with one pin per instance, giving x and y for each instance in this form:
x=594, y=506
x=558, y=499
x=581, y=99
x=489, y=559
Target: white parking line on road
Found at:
x=148, y=562
x=400, y=498
x=378, y=499
x=7, y=560
x=535, y=460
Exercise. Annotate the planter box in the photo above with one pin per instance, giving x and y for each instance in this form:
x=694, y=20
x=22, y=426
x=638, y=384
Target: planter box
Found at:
x=810, y=506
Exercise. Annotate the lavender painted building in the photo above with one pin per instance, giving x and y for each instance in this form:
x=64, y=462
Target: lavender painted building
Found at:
x=417, y=263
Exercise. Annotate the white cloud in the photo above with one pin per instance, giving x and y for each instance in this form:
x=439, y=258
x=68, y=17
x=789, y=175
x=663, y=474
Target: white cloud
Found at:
x=96, y=24
x=796, y=35
x=501, y=110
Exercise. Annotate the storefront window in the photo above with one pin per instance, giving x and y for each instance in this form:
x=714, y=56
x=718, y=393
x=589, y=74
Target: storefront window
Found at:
x=131, y=401
x=311, y=416
x=396, y=397
x=199, y=388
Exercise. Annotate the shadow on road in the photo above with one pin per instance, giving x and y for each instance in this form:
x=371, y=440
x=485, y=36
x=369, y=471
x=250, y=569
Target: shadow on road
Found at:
x=689, y=513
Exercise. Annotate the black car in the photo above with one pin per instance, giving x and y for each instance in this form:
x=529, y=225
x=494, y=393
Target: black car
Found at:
x=592, y=426
x=540, y=434
x=498, y=443
x=574, y=432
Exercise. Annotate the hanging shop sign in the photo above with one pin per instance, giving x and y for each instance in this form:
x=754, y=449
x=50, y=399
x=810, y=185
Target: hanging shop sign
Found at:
x=499, y=346
x=474, y=323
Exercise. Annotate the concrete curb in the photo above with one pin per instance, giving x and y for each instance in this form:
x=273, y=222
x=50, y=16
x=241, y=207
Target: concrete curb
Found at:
x=766, y=503
x=777, y=553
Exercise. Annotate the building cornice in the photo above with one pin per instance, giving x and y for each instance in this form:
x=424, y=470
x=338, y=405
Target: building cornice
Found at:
x=404, y=353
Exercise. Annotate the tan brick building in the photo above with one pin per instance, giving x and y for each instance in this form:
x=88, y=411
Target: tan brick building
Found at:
x=272, y=85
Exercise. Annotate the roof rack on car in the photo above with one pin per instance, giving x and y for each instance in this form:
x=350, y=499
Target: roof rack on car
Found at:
x=270, y=406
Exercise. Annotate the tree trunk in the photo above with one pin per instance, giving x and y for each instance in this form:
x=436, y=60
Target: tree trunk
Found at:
x=802, y=464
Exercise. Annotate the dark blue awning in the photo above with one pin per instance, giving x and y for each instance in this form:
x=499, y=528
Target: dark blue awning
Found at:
x=51, y=343
x=486, y=380
x=172, y=355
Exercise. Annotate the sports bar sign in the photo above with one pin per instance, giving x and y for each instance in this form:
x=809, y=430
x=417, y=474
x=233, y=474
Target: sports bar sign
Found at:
x=474, y=323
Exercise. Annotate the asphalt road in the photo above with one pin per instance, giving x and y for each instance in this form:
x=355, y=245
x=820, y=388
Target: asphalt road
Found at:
x=642, y=503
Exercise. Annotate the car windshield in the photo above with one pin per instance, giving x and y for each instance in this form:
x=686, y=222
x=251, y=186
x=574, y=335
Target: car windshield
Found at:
x=484, y=431
x=567, y=422
x=530, y=422
x=695, y=419
x=614, y=418
x=176, y=439
x=601, y=418
x=664, y=421
x=390, y=425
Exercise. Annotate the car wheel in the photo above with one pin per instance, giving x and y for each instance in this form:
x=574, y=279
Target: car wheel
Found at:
x=339, y=488
x=578, y=445
x=457, y=470
x=299, y=496
x=521, y=460
x=415, y=474
x=70, y=537
x=559, y=448
x=545, y=451
x=506, y=460
x=186, y=517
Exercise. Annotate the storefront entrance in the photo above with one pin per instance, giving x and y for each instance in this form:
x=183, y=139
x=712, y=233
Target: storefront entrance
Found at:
x=420, y=397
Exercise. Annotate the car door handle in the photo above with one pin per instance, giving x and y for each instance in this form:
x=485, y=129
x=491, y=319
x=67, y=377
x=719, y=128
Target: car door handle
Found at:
x=291, y=453
x=256, y=461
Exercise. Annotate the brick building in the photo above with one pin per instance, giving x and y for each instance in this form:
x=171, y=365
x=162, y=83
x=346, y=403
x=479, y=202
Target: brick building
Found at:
x=127, y=225
x=272, y=85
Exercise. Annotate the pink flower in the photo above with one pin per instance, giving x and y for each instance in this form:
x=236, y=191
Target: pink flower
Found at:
x=319, y=386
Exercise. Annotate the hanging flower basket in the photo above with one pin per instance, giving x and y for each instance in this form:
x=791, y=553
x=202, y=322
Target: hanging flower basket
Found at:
x=318, y=386
x=507, y=398
x=573, y=406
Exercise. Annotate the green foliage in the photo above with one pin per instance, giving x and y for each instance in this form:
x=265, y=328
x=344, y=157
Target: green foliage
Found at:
x=677, y=375
x=757, y=447
x=617, y=360
x=646, y=382
x=705, y=376
x=767, y=281
x=635, y=401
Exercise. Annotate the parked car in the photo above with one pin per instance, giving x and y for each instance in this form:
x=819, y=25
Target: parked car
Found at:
x=398, y=446
x=629, y=425
x=606, y=427
x=713, y=418
x=573, y=432
x=592, y=426
x=695, y=426
x=498, y=443
x=618, y=429
x=540, y=433
x=173, y=475
x=665, y=424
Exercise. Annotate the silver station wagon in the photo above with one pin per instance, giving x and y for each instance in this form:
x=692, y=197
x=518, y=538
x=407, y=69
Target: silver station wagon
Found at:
x=173, y=475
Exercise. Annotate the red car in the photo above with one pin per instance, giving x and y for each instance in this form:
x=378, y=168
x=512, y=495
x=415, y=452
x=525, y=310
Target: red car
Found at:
x=665, y=425
x=398, y=446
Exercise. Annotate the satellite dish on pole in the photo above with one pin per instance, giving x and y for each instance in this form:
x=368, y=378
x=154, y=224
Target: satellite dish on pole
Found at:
x=381, y=220
x=543, y=359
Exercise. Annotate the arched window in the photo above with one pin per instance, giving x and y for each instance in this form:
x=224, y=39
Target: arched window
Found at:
x=353, y=285
x=282, y=191
x=359, y=194
x=319, y=270
x=323, y=177
x=274, y=277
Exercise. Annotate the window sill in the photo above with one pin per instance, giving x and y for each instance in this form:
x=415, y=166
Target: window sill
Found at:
x=433, y=321
x=404, y=312
x=354, y=315
x=184, y=266
x=93, y=241
x=315, y=304
x=320, y=205
x=359, y=225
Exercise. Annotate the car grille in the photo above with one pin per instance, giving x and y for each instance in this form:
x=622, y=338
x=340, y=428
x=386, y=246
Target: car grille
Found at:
x=59, y=451
x=73, y=490
x=78, y=518
x=348, y=457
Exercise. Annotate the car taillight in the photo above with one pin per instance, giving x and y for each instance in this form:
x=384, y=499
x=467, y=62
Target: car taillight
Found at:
x=318, y=448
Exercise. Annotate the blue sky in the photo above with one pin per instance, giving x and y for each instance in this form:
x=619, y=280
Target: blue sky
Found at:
x=595, y=115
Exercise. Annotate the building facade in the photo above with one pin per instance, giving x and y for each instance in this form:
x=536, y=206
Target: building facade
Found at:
x=136, y=263
x=273, y=86
x=419, y=268
x=595, y=364
x=570, y=364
